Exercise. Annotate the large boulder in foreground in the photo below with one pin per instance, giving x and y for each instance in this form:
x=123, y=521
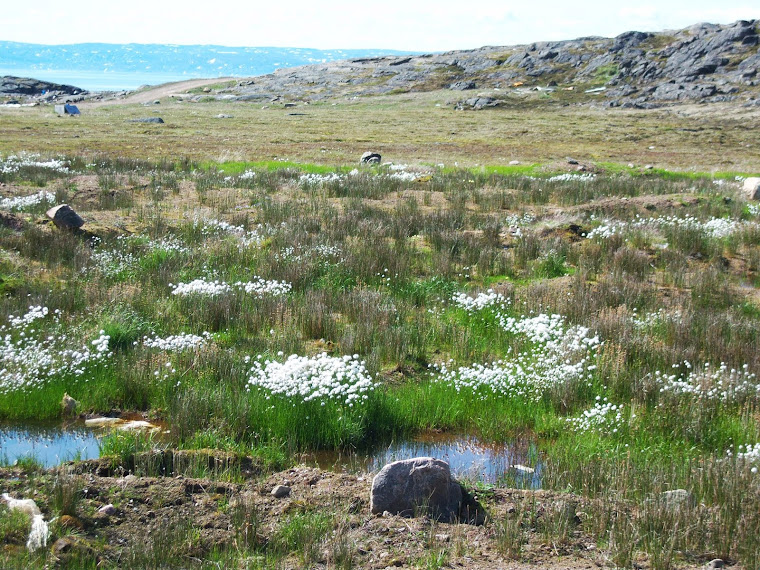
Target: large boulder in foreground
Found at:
x=65, y=217
x=422, y=485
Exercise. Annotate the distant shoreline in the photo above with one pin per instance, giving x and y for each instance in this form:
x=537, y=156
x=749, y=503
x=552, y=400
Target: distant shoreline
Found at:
x=100, y=81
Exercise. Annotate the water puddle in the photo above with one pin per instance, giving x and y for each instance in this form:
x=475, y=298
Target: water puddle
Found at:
x=47, y=443
x=514, y=462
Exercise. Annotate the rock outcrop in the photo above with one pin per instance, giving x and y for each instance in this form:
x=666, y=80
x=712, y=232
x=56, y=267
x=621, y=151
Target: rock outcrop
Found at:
x=702, y=63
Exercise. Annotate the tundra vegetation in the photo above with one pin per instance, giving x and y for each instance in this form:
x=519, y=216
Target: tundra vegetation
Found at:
x=270, y=308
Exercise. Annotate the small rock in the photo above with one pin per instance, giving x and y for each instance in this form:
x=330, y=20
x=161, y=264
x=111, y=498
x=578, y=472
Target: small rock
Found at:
x=70, y=523
x=68, y=405
x=108, y=509
x=370, y=158
x=157, y=120
x=280, y=491
x=717, y=563
x=648, y=167
x=752, y=188
x=514, y=162
x=678, y=498
x=223, y=116
x=65, y=217
x=571, y=161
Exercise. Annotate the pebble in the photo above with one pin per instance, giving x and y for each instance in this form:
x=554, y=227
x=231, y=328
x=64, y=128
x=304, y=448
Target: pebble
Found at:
x=280, y=491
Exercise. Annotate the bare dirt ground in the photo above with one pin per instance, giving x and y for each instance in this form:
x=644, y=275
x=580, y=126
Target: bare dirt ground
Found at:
x=158, y=92
x=145, y=507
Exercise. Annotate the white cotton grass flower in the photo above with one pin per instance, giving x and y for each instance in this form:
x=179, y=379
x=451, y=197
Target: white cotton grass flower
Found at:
x=258, y=287
x=30, y=357
x=708, y=383
x=344, y=380
x=558, y=354
x=489, y=299
x=604, y=418
x=713, y=227
x=14, y=163
x=177, y=343
x=572, y=177
x=20, y=203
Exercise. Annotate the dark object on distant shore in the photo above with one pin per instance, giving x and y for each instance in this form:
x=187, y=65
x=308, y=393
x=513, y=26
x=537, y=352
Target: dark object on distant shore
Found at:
x=65, y=217
x=371, y=158
x=67, y=109
x=147, y=120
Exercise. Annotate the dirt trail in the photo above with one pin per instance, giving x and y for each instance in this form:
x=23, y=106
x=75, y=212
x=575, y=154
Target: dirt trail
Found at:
x=158, y=92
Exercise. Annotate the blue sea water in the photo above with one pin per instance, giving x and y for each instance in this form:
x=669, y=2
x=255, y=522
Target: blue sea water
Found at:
x=114, y=67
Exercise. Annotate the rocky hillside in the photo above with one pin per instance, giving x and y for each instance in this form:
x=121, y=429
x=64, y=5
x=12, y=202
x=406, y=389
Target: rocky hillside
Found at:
x=25, y=87
x=705, y=62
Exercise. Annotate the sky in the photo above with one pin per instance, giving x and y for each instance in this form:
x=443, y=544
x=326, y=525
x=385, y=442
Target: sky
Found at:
x=411, y=25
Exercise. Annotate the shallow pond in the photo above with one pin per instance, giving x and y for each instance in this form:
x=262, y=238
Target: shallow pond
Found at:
x=47, y=443
x=469, y=458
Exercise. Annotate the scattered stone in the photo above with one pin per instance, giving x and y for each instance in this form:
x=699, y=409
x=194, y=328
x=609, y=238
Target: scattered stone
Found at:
x=752, y=188
x=716, y=563
x=370, y=158
x=70, y=523
x=571, y=161
x=68, y=405
x=462, y=85
x=648, y=167
x=108, y=510
x=678, y=498
x=27, y=506
x=223, y=116
x=157, y=120
x=64, y=217
x=410, y=486
x=514, y=162
x=522, y=469
x=280, y=491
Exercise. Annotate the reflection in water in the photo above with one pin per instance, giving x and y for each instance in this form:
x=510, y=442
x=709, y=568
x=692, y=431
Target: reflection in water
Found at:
x=469, y=458
x=48, y=443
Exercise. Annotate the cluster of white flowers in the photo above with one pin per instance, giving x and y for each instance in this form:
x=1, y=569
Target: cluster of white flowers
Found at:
x=319, y=378
x=656, y=318
x=247, y=175
x=559, y=355
x=167, y=243
x=714, y=227
x=753, y=209
x=571, y=177
x=706, y=383
x=321, y=251
x=265, y=287
x=211, y=227
x=200, y=287
x=259, y=287
x=34, y=313
x=112, y=262
x=14, y=163
x=19, y=203
x=177, y=343
x=604, y=418
x=489, y=299
x=30, y=358
x=748, y=453
x=314, y=179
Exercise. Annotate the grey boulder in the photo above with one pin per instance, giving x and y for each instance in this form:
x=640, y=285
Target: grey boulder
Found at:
x=65, y=217
x=422, y=485
x=371, y=158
